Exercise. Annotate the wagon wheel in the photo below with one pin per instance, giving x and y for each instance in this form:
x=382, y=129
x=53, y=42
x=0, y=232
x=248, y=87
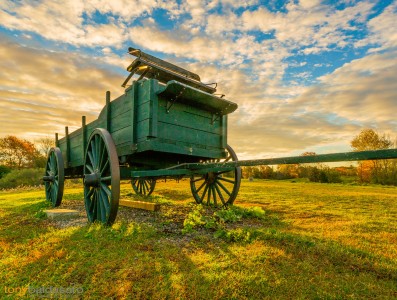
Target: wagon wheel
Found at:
x=54, y=177
x=214, y=187
x=143, y=186
x=101, y=178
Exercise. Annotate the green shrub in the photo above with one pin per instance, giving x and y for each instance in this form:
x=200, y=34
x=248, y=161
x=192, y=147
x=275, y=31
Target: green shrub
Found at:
x=239, y=235
x=23, y=177
x=234, y=213
x=194, y=219
x=4, y=170
x=229, y=215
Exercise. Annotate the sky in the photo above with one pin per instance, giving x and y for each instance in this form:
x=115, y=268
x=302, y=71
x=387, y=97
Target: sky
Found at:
x=307, y=75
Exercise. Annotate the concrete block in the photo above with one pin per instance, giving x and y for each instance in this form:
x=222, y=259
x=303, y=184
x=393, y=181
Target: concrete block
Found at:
x=62, y=214
x=140, y=204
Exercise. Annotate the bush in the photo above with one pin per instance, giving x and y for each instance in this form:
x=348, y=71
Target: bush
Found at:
x=323, y=175
x=195, y=219
x=23, y=177
x=4, y=170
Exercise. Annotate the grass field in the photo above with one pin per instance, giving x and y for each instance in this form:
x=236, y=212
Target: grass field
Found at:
x=316, y=241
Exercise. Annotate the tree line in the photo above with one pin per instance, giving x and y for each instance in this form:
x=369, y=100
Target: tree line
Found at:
x=16, y=153
x=382, y=171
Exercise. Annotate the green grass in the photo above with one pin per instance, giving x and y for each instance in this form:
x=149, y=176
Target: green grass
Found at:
x=316, y=241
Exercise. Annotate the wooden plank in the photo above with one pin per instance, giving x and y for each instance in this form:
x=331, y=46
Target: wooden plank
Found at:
x=122, y=136
x=108, y=112
x=84, y=129
x=140, y=204
x=194, y=136
x=142, y=130
x=179, y=116
x=133, y=94
x=224, y=131
x=153, y=110
x=121, y=121
x=67, y=160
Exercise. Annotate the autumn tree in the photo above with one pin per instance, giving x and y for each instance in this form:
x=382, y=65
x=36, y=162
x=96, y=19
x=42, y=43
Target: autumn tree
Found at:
x=378, y=171
x=44, y=144
x=17, y=153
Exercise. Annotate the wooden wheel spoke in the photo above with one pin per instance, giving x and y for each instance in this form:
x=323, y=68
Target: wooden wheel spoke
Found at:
x=90, y=168
x=91, y=157
x=145, y=183
x=224, y=188
x=105, y=200
x=214, y=194
x=209, y=194
x=90, y=193
x=105, y=166
x=199, y=179
x=106, y=178
x=201, y=186
x=225, y=179
x=204, y=193
x=219, y=193
x=102, y=156
x=97, y=152
x=92, y=152
x=106, y=189
x=102, y=207
x=92, y=201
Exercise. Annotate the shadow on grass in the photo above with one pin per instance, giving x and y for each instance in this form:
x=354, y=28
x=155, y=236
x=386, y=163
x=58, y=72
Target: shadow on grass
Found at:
x=137, y=260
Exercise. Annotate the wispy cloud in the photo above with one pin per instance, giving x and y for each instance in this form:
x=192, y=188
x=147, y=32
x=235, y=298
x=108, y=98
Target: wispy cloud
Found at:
x=267, y=58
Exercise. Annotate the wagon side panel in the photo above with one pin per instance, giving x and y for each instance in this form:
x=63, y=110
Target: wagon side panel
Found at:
x=122, y=119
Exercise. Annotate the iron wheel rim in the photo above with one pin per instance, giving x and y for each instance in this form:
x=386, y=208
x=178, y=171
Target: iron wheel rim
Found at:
x=101, y=195
x=213, y=188
x=55, y=170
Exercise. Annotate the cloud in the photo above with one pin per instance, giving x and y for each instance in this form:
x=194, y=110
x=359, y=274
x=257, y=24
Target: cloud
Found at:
x=43, y=91
x=382, y=30
x=246, y=51
x=360, y=92
x=56, y=21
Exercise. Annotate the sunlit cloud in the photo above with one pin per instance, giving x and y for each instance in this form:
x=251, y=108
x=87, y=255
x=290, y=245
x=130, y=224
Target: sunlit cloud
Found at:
x=305, y=74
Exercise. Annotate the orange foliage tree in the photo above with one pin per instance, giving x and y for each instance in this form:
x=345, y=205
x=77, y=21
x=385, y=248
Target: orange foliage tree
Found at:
x=17, y=153
x=373, y=170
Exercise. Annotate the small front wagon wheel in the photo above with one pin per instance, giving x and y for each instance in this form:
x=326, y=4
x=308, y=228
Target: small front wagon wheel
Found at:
x=101, y=178
x=143, y=186
x=217, y=188
x=54, y=177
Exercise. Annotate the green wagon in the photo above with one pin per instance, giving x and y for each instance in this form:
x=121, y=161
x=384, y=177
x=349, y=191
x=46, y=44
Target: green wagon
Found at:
x=167, y=117
x=167, y=124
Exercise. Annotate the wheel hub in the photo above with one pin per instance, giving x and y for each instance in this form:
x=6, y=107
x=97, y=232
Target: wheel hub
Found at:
x=211, y=177
x=49, y=178
x=92, y=179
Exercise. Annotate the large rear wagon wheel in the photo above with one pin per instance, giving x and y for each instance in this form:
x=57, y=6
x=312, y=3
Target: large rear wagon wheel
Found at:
x=101, y=178
x=217, y=188
x=143, y=186
x=54, y=177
